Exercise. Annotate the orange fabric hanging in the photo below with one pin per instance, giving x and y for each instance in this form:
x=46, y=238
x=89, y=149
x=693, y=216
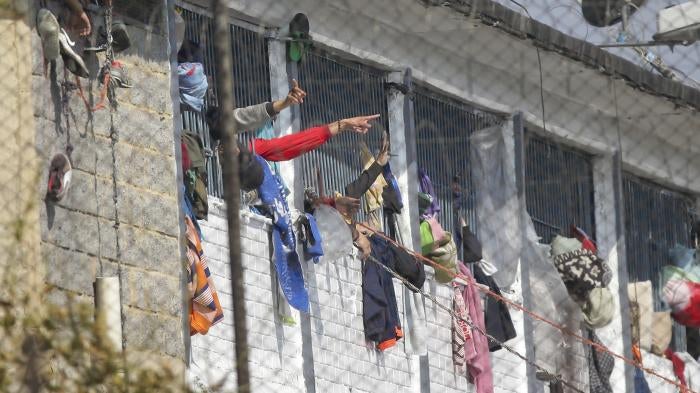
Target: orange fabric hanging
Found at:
x=205, y=309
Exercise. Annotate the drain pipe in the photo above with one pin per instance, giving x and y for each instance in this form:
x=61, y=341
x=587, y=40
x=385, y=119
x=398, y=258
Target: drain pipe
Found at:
x=108, y=312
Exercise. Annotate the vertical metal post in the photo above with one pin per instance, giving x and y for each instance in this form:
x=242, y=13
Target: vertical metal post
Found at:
x=528, y=326
x=224, y=84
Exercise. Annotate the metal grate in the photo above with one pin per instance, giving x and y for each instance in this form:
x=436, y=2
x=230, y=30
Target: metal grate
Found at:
x=443, y=128
x=339, y=89
x=251, y=73
x=656, y=219
x=558, y=188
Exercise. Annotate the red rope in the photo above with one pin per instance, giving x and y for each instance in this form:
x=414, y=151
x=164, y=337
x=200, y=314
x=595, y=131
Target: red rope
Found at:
x=533, y=315
x=103, y=94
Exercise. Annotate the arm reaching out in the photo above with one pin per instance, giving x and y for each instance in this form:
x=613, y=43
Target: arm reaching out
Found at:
x=291, y=146
x=358, y=124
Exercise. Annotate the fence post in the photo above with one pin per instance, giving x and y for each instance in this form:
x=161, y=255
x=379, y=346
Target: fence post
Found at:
x=224, y=65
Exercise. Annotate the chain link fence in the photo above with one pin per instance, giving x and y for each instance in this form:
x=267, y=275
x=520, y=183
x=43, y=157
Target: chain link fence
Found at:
x=535, y=163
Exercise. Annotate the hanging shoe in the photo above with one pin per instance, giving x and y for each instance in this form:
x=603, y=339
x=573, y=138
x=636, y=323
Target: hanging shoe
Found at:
x=48, y=28
x=72, y=60
x=120, y=39
x=60, y=173
x=117, y=75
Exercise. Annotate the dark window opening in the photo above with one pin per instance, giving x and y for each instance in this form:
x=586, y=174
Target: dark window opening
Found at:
x=558, y=188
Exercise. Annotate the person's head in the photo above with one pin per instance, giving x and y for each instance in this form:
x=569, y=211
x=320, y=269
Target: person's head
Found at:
x=212, y=119
x=190, y=52
x=250, y=171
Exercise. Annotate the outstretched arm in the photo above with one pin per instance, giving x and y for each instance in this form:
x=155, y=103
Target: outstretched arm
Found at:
x=254, y=116
x=291, y=146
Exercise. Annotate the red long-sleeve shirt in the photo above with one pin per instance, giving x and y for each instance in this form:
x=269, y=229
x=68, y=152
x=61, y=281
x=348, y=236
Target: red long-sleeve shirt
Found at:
x=291, y=146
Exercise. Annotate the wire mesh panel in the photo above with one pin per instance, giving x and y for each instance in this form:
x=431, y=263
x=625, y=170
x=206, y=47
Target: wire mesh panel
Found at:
x=340, y=89
x=558, y=188
x=656, y=219
x=443, y=128
x=251, y=75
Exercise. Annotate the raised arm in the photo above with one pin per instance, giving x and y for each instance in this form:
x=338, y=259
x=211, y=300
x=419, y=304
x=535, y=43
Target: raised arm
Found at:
x=359, y=186
x=255, y=116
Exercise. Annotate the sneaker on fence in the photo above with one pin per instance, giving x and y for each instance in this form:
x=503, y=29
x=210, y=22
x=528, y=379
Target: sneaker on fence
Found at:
x=48, y=28
x=60, y=173
x=72, y=60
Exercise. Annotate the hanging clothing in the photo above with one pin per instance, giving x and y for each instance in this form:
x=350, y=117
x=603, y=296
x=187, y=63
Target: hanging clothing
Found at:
x=435, y=229
x=404, y=264
x=487, y=267
x=586, y=242
x=692, y=370
x=684, y=298
x=640, y=383
x=391, y=193
x=311, y=237
x=581, y=271
x=661, y=332
x=205, y=309
x=463, y=349
x=287, y=263
x=471, y=246
x=561, y=245
x=641, y=300
x=470, y=346
x=681, y=256
x=426, y=187
x=600, y=366
x=599, y=308
x=497, y=317
x=193, y=85
x=379, y=308
x=335, y=232
x=427, y=242
x=288, y=147
x=445, y=255
x=678, y=367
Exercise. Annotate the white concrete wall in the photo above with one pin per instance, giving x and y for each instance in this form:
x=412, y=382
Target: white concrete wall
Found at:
x=334, y=353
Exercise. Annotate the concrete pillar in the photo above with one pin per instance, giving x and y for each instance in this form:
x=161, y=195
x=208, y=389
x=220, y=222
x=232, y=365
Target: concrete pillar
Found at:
x=284, y=124
x=20, y=171
x=609, y=219
x=21, y=267
x=404, y=164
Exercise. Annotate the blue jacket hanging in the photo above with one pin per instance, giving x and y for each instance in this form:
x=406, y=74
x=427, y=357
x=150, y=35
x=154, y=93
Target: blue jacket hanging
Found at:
x=287, y=263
